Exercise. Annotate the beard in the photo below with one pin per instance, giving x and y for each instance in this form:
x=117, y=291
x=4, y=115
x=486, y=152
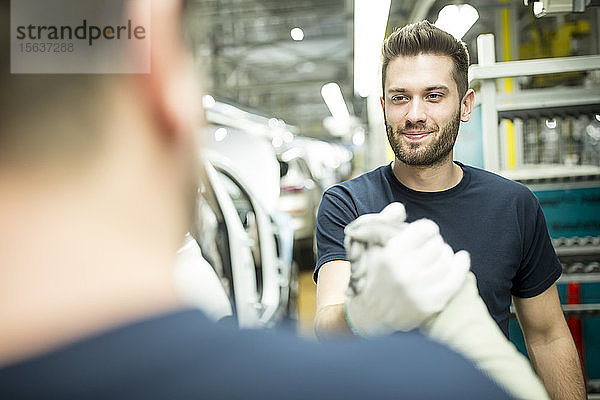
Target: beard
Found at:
x=428, y=154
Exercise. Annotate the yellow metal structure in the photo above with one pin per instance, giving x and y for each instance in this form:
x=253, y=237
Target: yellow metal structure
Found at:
x=508, y=85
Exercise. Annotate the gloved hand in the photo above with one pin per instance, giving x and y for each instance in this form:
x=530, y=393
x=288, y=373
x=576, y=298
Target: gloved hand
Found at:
x=366, y=231
x=402, y=274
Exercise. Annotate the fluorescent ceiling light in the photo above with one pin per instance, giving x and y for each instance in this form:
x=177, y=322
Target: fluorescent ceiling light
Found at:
x=297, y=34
x=335, y=101
x=542, y=8
x=370, y=22
x=457, y=19
x=538, y=9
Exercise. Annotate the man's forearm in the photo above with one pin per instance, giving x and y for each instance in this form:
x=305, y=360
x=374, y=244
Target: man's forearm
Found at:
x=557, y=364
x=330, y=323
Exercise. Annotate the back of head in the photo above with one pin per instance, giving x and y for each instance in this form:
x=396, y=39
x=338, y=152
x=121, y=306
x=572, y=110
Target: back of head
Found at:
x=48, y=119
x=97, y=173
x=425, y=38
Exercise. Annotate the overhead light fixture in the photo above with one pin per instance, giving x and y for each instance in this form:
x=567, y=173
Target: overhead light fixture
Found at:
x=297, y=34
x=551, y=123
x=335, y=102
x=538, y=9
x=542, y=8
x=457, y=19
x=370, y=23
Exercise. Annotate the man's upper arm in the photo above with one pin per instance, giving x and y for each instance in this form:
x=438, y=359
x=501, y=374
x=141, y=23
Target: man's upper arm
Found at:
x=332, y=282
x=541, y=316
x=335, y=213
x=332, y=272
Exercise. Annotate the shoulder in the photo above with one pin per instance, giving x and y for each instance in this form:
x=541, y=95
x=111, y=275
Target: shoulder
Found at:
x=198, y=359
x=357, y=186
x=497, y=183
x=357, y=196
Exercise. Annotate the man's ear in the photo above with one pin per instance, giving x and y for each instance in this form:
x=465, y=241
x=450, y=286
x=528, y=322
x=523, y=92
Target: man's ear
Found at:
x=466, y=105
x=170, y=88
x=382, y=101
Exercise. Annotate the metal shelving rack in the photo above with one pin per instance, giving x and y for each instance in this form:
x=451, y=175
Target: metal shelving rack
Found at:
x=496, y=106
x=579, y=253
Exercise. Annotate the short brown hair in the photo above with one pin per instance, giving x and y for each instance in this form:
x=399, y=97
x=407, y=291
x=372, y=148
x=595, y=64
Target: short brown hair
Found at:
x=425, y=38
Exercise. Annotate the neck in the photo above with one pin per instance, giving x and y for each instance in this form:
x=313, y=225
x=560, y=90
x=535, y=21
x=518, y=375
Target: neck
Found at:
x=432, y=178
x=79, y=256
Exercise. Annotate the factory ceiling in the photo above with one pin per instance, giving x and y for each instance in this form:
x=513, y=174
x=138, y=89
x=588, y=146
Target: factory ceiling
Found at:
x=249, y=59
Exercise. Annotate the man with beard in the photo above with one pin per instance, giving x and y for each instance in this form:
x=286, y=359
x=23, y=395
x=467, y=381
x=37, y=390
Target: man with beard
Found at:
x=499, y=222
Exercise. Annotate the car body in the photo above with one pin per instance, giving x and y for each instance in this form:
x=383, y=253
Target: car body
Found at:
x=251, y=248
x=300, y=195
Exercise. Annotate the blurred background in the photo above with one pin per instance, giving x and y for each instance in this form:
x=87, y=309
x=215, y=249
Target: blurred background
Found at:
x=292, y=98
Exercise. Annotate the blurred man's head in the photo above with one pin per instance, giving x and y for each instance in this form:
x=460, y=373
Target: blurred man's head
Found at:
x=97, y=186
x=75, y=122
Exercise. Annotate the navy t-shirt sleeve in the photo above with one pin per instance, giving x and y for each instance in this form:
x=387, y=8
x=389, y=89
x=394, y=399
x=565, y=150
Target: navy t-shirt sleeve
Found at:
x=540, y=267
x=335, y=212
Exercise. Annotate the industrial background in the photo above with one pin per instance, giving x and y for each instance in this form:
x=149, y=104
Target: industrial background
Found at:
x=292, y=98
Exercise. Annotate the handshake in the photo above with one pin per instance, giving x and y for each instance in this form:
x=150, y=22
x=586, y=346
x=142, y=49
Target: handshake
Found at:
x=401, y=274
x=404, y=276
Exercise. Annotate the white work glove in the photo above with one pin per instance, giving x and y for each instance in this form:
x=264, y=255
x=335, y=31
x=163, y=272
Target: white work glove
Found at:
x=366, y=231
x=466, y=326
x=402, y=274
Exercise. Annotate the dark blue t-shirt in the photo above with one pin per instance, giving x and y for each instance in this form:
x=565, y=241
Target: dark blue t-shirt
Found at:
x=184, y=356
x=498, y=221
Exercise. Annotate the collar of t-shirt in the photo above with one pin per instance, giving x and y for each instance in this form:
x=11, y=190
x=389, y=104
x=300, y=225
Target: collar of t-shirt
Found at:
x=462, y=185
